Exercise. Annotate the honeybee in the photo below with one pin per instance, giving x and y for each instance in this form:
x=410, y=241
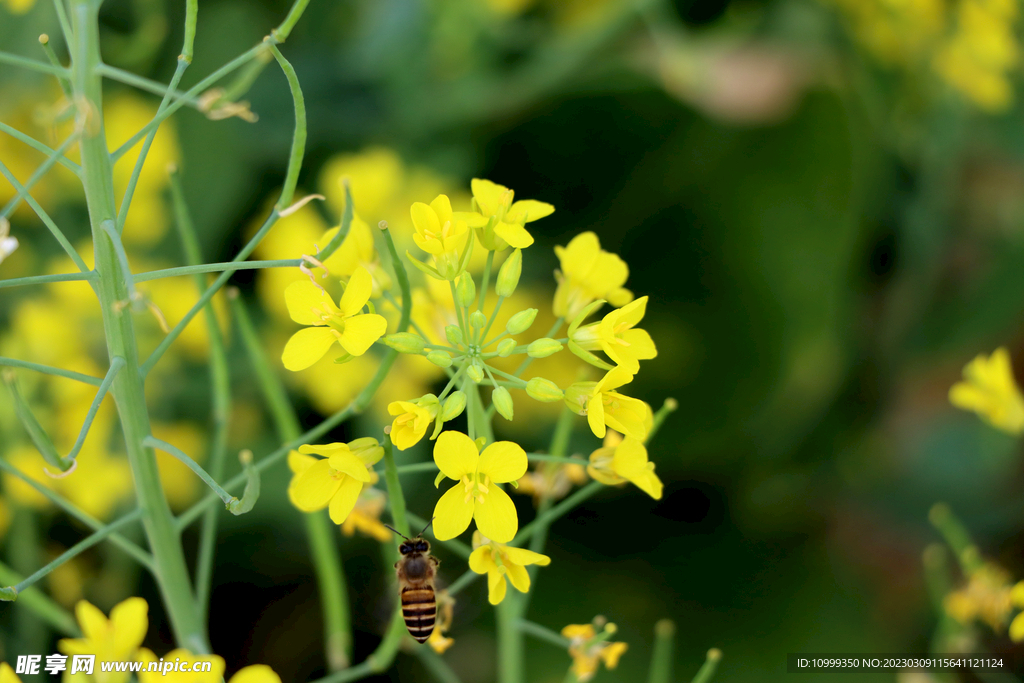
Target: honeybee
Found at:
x=416, y=570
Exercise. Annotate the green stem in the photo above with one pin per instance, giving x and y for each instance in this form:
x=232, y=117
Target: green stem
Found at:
x=437, y=666
x=40, y=147
x=146, y=84
x=543, y=633
x=291, y=178
x=191, y=16
x=395, y=495
x=510, y=644
x=21, y=191
x=220, y=386
x=41, y=604
x=957, y=536
x=65, y=26
x=468, y=577
x=485, y=283
x=101, y=393
x=543, y=457
x=40, y=439
x=707, y=671
x=49, y=370
x=667, y=408
x=140, y=555
x=216, y=268
x=490, y=322
x=35, y=65
x=48, y=279
x=153, y=442
x=661, y=660
x=282, y=32
x=327, y=562
x=51, y=56
x=557, y=511
x=76, y=550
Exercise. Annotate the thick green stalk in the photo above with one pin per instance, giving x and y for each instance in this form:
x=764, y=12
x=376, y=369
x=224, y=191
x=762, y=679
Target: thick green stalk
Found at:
x=40, y=604
x=510, y=644
x=661, y=660
x=169, y=559
x=320, y=532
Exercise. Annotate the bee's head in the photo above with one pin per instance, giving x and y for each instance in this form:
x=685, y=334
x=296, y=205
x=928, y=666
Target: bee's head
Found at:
x=415, y=545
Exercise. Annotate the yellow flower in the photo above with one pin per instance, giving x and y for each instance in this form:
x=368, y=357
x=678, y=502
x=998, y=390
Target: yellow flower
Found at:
x=181, y=657
x=345, y=324
x=442, y=234
x=616, y=336
x=19, y=7
x=498, y=560
x=987, y=596
x=1017, y=625
x=114, y=639
x=588, y=649
x=255, y=673
x=604, y=406
x=355, y=250
x=503, y=221
x=588, y=273
x=437, y=641
x=335, y=481
x=7, y=674
x=477, y=495
x=990, y=390
x=977, y=59
x=622, y=460
x=365, y=516
x=412, y=419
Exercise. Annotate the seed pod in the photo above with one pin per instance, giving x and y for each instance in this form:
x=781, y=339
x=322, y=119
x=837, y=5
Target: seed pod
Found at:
x=405, y=342
x=502, y=401
x=466, y=290
x=542, y=348
x=508, y=274
x=475, y=372
x=454, y=335
x=453, y=406
x=440, y=358
x=506, y=347
x=543, y=390
x=521, y=321
x=477, y=319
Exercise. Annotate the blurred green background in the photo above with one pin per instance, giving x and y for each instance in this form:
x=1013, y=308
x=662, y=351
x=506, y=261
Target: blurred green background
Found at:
x=827, y=233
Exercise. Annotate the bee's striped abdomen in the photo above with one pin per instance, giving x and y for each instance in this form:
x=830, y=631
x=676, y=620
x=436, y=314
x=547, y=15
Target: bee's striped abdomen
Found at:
x=419, y=607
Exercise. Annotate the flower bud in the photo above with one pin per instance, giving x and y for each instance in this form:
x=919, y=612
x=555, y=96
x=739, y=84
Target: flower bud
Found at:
x=405, y=342
x=440, y=358
x=453, y=406
x=506, y=347
x=508, y=274
x=521, y=321
x=477, y=319
x=543, y=390
x=502, y=401
x=466, y=290
x=577, y=395
x=366, y=449
x=454, y=335
x=542, y=348
x=475, y=372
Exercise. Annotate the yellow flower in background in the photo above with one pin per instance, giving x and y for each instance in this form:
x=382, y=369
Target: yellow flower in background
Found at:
x=624, y=459
x=987, y=596
x=437, y=641
x=441, y=233
x=617, y=335
x=365, y=516
x=602, y=405
x=504, y=221
x=335, y=481
x=175, y=297
x=477, y=494
x=5, y=517
x=214, y=675
x=115, y=639
x=552, y=480
x=588, y=273
x=375, y=176
x=499, y=561
x=67, y=581
x=291, y=237
x=356, y=250
x=19, y=6
x=255, y=673
x=7, y=674
x=981, y=53
x=180, y=484
x=412, y=419
x=26, y=459
x=588, y=649
x=1017, y=600
x=990, y=390
x=346, y=324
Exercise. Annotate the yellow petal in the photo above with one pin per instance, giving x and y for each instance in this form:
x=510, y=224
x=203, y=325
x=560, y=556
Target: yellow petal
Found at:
x=298, y=462
x=1017, y=628
x=496, y=587
x=513, y=233
x=615, y=378
x=357, y=292
x=630, y=458
x=312, y=489
x=648, y=482
x=256, y=673
x=456, y=455
x=345, y=499
x=528, y=210
x=347, y=462
x=581, y=631
x=503, y=461
x=578, y=257
x=522, y=556
x=611, y=653
x=361, y=331
x=306, y=302
x=452, y=513
x=481, y=560
x=92, y=621
x=442, y=207
x=7, y=674
x=488, y=195
x=130, y=623
x=641, y=345
x=595, y=416
x=306, y=347
x=424, y=219
x=496, y=517
x=472, y=219
x=519, y=577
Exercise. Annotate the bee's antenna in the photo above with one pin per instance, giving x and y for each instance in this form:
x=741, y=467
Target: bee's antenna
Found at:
x=399, y=532
x=426, y=527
